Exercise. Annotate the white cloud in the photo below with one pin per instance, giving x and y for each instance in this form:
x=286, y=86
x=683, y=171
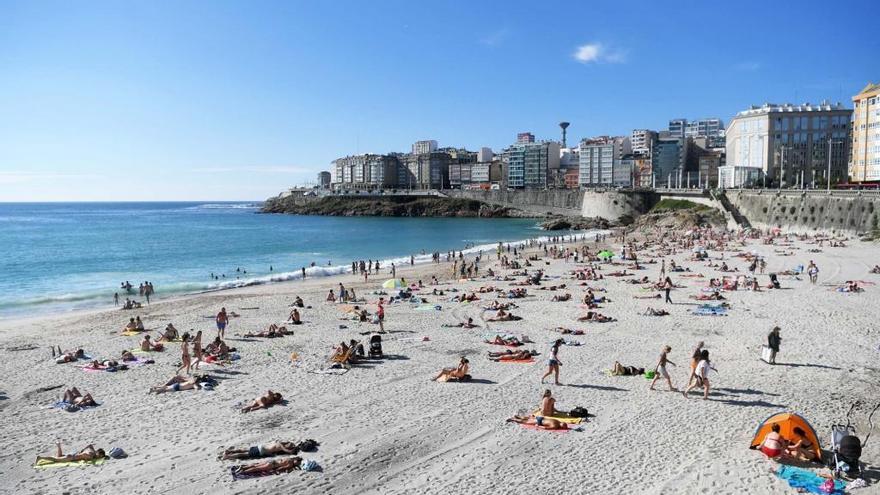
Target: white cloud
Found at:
x=599, y=53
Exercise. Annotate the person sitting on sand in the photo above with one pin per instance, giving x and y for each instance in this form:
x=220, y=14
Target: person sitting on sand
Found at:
x=298, y=302
x=170, y=334
x=148, y=346
x=331, y=297
x=800, y=448
x=876, y=269
x=294, y=317
x=265, y=402
x=512, y=355
x=275, y=466
x=73, y=396
x=139, y=325
x=69, y=356
x=773, y=444
x=595, y=317
x=131, y=326
x=218, y=349
x=457, y=373
x=128, y=356
x=89, y=453
x=270, y=449
x=621, y=370
x=548, y=404
x=539, y=421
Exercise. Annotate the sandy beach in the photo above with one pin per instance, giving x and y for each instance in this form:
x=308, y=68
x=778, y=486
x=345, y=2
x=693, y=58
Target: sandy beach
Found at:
x=385, y=427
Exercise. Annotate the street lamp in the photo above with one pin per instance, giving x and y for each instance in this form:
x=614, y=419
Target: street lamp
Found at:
x=828, y=176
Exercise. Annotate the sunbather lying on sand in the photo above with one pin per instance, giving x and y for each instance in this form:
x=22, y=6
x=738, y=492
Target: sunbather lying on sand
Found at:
x=539, y=421
x=561, y=298
x=265, y=402
x=655, y=296
x=495, y=305
x=457, y=373
x=87, y=454
x=468, y=324
x=594, y=317
x=176, y=384
x=655, y=312
x=512, y=355
x=69, y=356
x=567, y=331
x=277, y=466
x=270, y=449
x=73, y=396
x=502, y=315
x=128, y=356
x=273, y=332
x=499, y=340
x=466, y=298
x=621, y=370
x=712, y=296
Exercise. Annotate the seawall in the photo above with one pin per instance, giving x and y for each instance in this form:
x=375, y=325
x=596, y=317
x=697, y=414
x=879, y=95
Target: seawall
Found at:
x=567, y=202
x=840, y=211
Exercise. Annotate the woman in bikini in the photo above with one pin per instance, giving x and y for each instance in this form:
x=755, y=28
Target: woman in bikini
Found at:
x=89, y=453
x=197, y=350
x=553, y=363
x=184, y=359
x=457, y=373
x=802, y=449
x=773, y=444
x=269, y=467
x=73, y=396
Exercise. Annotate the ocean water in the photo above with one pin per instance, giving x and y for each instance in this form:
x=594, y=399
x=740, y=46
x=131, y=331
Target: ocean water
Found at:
x=64, y=256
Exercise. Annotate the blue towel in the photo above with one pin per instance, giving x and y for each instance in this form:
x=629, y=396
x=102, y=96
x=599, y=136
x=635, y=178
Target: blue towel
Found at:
x=799, y=478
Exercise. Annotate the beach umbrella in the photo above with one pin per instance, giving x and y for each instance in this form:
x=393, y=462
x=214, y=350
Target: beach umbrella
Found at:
x=605, y=254
x=392, y=283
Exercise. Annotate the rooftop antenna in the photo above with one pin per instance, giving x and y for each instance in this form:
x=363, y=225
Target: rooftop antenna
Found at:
x=564, y=126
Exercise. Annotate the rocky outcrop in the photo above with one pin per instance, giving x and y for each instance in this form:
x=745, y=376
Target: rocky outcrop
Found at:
x=577, y=223
x=388, y=206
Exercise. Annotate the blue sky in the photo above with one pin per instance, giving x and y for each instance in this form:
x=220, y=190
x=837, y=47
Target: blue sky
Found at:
x=238, y=100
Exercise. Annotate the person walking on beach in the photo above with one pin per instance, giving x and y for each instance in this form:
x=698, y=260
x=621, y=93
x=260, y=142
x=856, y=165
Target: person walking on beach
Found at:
x=695, y=359
x=197, y=350
x=667, y=287
x=116, y=299
x=303, y=272
x=222, y=320
x=184, y=358
x=773, y=341
x=663, y=268
x=660, y=369
x=380, y=314
x=813, y=272
x=701, y=375
x=553, y=363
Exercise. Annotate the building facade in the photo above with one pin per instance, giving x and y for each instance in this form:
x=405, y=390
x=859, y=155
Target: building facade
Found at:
x=426, y=146
x=598, y=159
x=642, y=141
x=668, y=161
x=529, y=164
x=677, y=127
x=525, y=138
x=324, y=179
x=365, y=172
x=865, y=163
x=792, y=144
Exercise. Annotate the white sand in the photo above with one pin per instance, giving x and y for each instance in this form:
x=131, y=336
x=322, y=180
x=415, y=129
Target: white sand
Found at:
x=386, y=428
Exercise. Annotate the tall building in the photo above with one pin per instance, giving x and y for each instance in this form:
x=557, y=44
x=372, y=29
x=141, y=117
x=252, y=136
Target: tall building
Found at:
x=424, y=170
x=324, y=179
x=790, y=144
x=677, y=127
x=367, y=172
x=642, y=141
x=525, y=138
x=668, y=160
x=598, y=159
x=865, y=165
x=529, y=164
x=460, y=164
x=712, y=129
x=427, y=146
x=485, y=155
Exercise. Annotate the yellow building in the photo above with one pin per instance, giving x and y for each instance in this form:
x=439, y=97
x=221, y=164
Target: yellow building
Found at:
x=865, y=165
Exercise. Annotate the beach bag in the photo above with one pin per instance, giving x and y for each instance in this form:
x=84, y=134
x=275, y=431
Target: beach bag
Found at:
x=117, y=453
x=308, y=445
x=650, y=374
x=765, y=353
x=579, y=412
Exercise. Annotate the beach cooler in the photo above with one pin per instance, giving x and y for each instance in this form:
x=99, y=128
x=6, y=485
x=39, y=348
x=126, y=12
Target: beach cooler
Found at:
x=765, y=353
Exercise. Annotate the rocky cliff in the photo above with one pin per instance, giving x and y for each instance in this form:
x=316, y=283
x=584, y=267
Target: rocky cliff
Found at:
x=388, y=206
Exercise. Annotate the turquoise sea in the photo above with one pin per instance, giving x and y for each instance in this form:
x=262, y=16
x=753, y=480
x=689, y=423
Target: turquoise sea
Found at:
x=65, y=256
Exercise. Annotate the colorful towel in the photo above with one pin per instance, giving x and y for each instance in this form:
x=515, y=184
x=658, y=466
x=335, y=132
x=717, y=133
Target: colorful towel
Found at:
x=518, y=361
x=536, y=427
x=131, y=333
x=802, y=479
x=44, y=464
x=563, y=418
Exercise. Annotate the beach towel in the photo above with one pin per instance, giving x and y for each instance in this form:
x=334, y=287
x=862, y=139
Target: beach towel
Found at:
x=562, y=418
x=518, y=361
x=709, y=312
x=132, y=333
x=805, y=480
x=428, y=307
x=44, y=464
x=536, y=427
